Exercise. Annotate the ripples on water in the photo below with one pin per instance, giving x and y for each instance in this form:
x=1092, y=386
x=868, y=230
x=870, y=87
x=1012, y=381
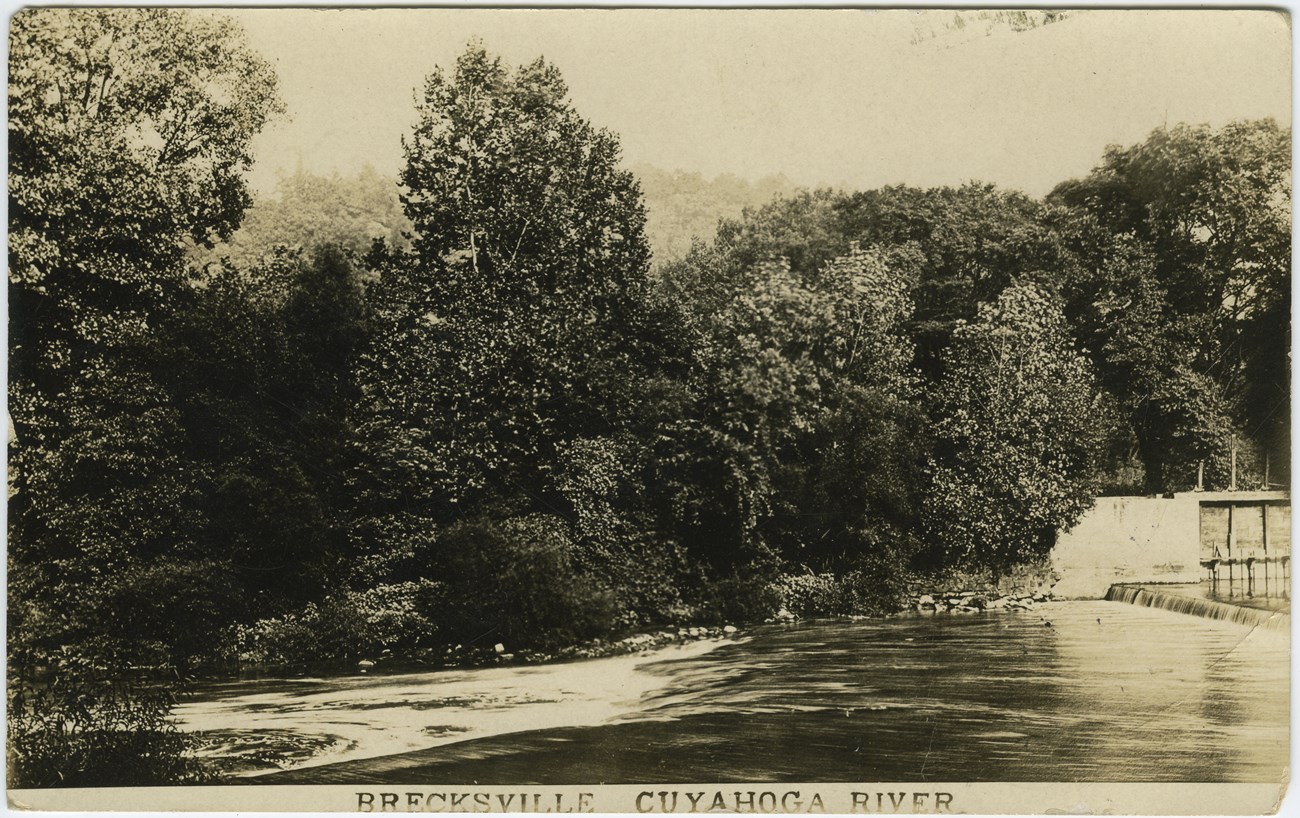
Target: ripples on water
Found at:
x=1105, y=692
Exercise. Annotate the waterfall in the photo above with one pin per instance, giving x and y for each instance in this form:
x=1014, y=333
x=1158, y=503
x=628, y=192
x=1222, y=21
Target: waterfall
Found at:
x=1209, y=608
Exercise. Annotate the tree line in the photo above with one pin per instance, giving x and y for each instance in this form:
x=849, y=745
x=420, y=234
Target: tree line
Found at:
x=506, y=426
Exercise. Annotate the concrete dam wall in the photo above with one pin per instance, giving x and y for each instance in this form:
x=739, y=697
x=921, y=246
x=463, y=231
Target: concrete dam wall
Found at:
x=1166, y=539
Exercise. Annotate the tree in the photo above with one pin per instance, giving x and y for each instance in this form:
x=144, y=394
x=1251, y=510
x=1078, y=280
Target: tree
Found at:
x=961, y=246
x=129, y=130
x=1200, y=237
x=1016, y=440
x=520, y=323
x=263, y=376
x=804, y=443
x=682, y=208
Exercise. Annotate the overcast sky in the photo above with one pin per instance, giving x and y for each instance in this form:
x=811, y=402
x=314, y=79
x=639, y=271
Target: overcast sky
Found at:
x=827, y=97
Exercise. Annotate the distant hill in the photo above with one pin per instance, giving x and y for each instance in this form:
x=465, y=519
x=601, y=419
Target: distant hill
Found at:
x=308, y=209
x=684, y=206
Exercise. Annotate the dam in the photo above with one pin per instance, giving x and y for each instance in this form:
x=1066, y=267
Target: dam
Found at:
x=1222, y=555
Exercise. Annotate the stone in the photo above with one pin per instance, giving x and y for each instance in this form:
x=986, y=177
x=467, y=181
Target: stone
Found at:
x=499, y=648
x=729, y=628
x=365, y=664
x=999, y=602
x=925, y=601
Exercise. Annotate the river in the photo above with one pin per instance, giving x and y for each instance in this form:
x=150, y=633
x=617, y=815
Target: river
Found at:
x=1073, y=691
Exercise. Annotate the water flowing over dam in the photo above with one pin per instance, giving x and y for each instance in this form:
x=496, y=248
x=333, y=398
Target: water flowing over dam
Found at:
x=1185, y=599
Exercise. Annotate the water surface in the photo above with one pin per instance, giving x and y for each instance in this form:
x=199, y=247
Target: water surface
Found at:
x=1078, y=691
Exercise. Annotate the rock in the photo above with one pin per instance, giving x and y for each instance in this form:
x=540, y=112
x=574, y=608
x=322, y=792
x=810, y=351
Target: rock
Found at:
x=784, y=615
x=499, y=648
x=954, y=601
x=978, y=602
x=1000, y=602
x=506, y=657
x=365, y=664
x=729, y=629
x=925, y=601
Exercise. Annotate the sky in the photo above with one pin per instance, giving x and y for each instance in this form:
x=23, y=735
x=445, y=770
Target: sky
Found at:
x=850, y=99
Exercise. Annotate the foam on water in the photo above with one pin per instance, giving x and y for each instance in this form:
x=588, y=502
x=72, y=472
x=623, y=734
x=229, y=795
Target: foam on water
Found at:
x=368, y=716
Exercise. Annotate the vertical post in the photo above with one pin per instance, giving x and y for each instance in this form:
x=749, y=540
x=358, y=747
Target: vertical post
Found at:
x=1267, y=485
x=1232, y=540
x=1200, y=475
x=1263, y=509
x=1232, y=481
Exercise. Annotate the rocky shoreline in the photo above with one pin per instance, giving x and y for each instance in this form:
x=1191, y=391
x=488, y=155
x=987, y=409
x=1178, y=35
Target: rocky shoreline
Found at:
x=473, y=656
x=975, y=601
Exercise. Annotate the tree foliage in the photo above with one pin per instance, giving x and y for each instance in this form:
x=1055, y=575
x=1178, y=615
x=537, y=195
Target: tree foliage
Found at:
x=309, y=211
x=316, y=441
x=128, y=132
x=1186, y=287
x=1015, y=460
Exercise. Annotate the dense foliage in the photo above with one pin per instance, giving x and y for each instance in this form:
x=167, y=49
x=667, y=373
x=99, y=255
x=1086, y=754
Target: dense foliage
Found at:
x=329, y=440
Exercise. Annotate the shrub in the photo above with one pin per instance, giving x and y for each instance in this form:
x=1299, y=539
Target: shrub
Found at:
x=85, y=722
x=738, y=599
x=515, y=583
x=179, y=605
x=347, y=626
x=870, y=586
x=810, y=594
x=599, y=480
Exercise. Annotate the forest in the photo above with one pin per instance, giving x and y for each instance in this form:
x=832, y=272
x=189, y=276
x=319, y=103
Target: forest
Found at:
x=476, y=405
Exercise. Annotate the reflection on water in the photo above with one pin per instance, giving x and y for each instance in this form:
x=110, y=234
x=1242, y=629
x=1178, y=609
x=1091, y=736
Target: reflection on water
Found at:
x=1080, y=691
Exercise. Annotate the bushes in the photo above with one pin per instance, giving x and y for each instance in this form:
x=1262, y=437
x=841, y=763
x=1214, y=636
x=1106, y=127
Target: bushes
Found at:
x=347, y=626
x=89, y=723
x=180, y=606
x=810, y=594
x=614, y=541
x=862, y=591
x=515, y=582
x=740, y=598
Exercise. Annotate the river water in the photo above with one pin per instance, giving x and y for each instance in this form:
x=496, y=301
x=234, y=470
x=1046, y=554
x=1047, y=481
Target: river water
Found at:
x=1075, y=691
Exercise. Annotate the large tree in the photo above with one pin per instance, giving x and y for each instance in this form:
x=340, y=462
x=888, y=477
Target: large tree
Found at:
x=1184, y=297
x=520, y=322
x=1017, y=433
x=129, y=132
